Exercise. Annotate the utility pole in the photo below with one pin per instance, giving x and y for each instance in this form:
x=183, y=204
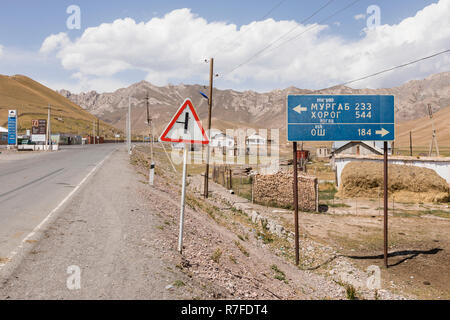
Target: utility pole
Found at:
x=93, y=131
x=49, y=129
x=129, y=125
x=434, y=138
x=410, y=144
x=152, y=164
x=210, y=101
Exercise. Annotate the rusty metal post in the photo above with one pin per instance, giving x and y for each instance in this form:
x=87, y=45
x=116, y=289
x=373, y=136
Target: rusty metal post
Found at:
x=295, y=187
x=385, y=204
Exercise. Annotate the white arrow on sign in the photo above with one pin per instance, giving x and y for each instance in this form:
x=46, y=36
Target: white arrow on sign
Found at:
x=300, y=109
x=382, y=132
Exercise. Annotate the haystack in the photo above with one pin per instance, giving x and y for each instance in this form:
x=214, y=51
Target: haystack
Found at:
x=405, y=183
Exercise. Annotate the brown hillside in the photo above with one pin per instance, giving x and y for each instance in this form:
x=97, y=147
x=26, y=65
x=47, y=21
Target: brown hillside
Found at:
x=422, y=130
x=31, y=99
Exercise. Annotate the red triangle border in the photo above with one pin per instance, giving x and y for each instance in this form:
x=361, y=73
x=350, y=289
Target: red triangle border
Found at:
x=186, y=103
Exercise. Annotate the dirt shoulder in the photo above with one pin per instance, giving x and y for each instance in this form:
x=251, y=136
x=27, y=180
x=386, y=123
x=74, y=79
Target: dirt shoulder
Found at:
x=237, y=256
x=345, y=242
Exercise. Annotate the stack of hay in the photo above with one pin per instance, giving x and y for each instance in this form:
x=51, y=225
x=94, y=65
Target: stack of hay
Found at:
x=405, y=183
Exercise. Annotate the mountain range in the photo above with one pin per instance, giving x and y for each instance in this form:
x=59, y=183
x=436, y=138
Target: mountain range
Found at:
x=233, y=109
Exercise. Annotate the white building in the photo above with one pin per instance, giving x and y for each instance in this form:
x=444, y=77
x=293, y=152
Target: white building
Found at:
x=3, y=135
x=322, y=152
x=256, y=140
x=221, y=140
x=359, y=148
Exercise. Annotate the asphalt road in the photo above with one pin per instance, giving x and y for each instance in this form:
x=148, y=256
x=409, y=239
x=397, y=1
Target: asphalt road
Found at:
x=32, y=185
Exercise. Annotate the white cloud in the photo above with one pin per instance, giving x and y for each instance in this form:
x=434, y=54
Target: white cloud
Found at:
x=360, y=16
x=1, y=50
x=54, y=42
x=173, y=48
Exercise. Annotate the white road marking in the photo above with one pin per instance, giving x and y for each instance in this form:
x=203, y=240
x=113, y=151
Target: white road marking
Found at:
x=39, y=226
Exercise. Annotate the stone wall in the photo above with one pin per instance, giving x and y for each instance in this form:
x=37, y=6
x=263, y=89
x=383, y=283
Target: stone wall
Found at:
x=277, y=189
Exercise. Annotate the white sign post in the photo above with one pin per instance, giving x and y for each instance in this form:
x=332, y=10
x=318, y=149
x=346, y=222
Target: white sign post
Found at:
x=183, y=198
x=185, y=127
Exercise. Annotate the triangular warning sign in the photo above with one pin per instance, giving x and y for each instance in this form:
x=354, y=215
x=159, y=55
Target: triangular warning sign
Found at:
x=185, y=127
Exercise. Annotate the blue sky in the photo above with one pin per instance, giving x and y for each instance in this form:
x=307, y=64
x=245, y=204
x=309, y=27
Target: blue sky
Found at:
x=25, y=25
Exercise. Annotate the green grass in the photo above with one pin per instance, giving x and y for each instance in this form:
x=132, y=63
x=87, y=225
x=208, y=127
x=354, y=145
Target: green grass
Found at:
x=265, y=236
x=327, y=191
x=439, y=213
x=350, y=292
x=279, y=275
x=241, y=248
x=216, y=255
x=338, y=205
x=418, y=213
x=179, y=284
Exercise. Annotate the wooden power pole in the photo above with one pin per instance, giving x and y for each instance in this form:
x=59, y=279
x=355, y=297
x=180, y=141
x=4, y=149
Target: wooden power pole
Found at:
x=410, y=144
x=210, y=101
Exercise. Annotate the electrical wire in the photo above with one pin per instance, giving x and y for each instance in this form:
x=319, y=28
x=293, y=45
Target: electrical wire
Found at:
x=244, y=32
x=302, y=22
x=393, y=68
x=316, y=25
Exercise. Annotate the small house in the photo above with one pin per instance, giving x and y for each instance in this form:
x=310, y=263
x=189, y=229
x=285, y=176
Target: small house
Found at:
x=359, y=148
x=256, y=139
x=322, y=152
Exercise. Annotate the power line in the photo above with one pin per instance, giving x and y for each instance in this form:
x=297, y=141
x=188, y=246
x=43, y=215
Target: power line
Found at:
x=317, y=25
x=244, y=32
x=279, y=38
x=302, y=22
x=393, y=68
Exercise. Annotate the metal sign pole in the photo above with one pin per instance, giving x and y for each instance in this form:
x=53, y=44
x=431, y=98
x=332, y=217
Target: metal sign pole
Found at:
x=210, y=102
x=295, y=187
x=183, y=196
x=385, y=204
x=151, y=175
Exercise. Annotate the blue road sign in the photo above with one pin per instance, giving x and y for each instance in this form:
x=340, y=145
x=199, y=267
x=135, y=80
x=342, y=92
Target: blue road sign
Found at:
x=340, y=118
x=12, y=130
